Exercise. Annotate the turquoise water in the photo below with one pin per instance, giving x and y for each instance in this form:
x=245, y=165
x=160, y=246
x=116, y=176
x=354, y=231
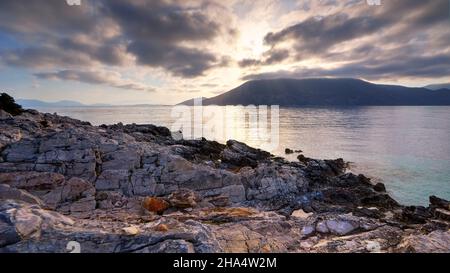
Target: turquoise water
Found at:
x=407, y=148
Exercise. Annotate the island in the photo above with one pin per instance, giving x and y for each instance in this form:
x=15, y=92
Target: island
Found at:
x=328, y=92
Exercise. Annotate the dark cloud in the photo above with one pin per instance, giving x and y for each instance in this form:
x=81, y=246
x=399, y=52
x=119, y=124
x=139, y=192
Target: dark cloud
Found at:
x=157, y=33
x=318, y=35
x=181, y=61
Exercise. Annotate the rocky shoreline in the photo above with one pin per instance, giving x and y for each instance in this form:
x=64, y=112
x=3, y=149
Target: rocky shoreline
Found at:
x=133, y=188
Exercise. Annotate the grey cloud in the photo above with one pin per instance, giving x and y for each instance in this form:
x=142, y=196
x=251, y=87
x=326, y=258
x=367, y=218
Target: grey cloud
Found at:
x=270, y=57
x=423, y=67
x=158, y=33
x=93, y=77
x=109, y=52
x=167, y=26
x=45, y=16
x=318, y=35
x=180, y=61
x=46, y=56
x=401, y=38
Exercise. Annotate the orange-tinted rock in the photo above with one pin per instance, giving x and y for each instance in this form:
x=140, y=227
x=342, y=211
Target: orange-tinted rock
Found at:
x=162, y=228
x=155, y=204
x=233, y=212
x=266, y=249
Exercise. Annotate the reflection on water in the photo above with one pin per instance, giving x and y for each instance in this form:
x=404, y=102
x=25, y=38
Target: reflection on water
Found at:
x=408, y=148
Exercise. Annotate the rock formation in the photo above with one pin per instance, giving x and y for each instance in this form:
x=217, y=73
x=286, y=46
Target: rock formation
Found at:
x=133, y=188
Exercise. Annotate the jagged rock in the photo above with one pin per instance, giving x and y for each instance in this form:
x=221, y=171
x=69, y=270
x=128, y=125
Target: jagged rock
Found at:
x=301, y=214
x=183, y=198
x=341, y=227
x=416, y=214
x=76, y=188
x=241, y=155
x=435, y=242
x=337, y=166
x=219, y=201
x=308, y=230
x=303, y=159
x=76, y=192
x=379, y=187
x=83, y=207
x=288, y=151
x=322, y=227
x=442, y=214
x=6, y=192
x=162, y=228
x=111, y=180
x=27, y=223
x=132, y=230
x=27, y=220
x=4, y=115
x=155, y=204
x=439, y=203
x=32, y=181
x=384, y=238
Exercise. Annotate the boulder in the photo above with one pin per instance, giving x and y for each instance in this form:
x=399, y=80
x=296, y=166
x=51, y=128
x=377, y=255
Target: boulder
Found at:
x=6, y=192
x=379, y=187
x=442, y=214
x=75, y=189
x=4, y=115
x=241, y=155
x=435, y=242
x=131, y=230
x=155, y=204
x=416, y=214
x=307, y=230
x=303, y=159
x=83, y=207
x=439, y=203
x=300, y=214
x=162, y=228
x=183, y=198
x=341, y=227
x=32, y=181
x=288, y=151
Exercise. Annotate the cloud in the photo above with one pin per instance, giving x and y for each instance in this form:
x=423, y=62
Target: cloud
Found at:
x=422, y=67
x=158, y=34
x=173, y=42
x=180, y=61
x=270, y=57
x=402, y=38
x=94, y=77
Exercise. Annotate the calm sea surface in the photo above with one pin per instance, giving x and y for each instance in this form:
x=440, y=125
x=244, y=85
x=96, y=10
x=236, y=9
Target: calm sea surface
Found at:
x=407, y=148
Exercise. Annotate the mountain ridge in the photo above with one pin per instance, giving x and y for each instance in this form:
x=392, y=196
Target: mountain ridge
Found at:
x=327, y=92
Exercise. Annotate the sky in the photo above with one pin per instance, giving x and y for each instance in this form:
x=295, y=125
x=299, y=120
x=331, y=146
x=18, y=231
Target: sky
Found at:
x=167, y=51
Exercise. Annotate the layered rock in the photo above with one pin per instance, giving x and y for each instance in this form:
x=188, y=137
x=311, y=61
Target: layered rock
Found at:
x=134, y=188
